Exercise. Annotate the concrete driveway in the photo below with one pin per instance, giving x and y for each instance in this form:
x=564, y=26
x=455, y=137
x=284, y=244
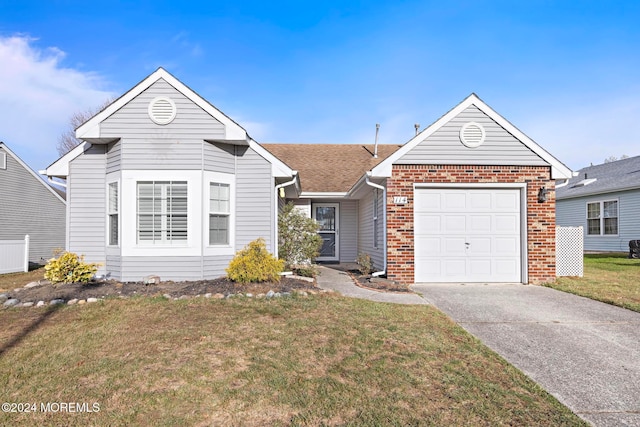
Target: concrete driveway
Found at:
x=583, y=352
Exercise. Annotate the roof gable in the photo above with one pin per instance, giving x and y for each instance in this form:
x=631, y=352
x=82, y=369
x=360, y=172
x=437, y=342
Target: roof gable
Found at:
x=53, y=191
x=91, y=129
x=609, y=177
x=503, y=133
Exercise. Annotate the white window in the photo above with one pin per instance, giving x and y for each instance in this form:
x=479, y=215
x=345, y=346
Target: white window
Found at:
x=602, y=218
x=219, y=212
x=161, y=212
x=375, y=218
x=113, y=214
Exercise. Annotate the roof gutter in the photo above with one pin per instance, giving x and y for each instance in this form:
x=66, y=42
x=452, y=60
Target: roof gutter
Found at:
x=384, y=223
x=275, y=208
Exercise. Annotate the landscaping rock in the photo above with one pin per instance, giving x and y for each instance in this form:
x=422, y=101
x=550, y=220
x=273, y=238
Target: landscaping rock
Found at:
x=82, y=301
x=303, y=293
x=248, y=295
x=4, y=297
x=167, y=296
x=56, y=301
x=151, y=280
x=92, y=299
x=184, y=297
x=11, y=302
x=270, y=294
x=286, y=294
x=40, y=304
x=27, y=304
x=218, y=296
x=208, y=295
x=260, y=296
x=72, y=301
x=32, y=285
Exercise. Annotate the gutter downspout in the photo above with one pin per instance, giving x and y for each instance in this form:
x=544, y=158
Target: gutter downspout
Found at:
x=384, y=224
x=275, y=209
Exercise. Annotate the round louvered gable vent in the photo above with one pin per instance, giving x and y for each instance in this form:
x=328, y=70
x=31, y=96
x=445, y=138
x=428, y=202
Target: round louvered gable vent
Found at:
x=472, y=134
x=162, y=110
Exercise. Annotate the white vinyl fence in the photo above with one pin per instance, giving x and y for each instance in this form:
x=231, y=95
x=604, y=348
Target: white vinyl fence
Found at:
x=569, y=251
x=14, y=255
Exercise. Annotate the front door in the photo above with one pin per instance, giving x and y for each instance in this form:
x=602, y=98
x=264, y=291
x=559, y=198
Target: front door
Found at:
x=327, y=215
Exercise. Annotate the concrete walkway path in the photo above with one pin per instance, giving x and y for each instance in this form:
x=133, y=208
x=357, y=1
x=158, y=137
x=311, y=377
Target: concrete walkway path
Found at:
x=583, y=352
x=335, y=279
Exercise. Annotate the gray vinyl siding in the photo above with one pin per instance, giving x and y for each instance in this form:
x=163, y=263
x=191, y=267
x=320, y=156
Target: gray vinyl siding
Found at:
x=27, y=206
x=573, y=212
x=365, y=230
x=113, y=156
x=134, y=269
x=114, y=265
x=214, y=266
x=147, y=145
x=87, y=199
x=219, y=157
x=348, y=230
x=254, y=199
x=444, y=146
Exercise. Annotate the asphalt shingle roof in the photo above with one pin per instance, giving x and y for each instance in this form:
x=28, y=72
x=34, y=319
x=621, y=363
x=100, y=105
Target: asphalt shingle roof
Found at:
x=609, y=177
x=330, y=167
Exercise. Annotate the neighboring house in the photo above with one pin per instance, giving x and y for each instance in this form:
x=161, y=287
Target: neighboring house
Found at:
x=167, y=184
x=605, y=200
x=28, y=205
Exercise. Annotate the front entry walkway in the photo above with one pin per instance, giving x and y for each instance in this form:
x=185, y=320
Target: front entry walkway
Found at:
x=583, y=352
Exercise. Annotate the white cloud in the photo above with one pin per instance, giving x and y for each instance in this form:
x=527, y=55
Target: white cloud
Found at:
x=37, y=97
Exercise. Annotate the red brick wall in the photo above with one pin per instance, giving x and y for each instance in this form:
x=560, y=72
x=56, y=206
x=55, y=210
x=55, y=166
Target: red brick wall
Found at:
x=541, y=222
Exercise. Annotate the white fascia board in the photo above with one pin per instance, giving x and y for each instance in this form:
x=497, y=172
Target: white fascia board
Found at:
x=558, y=169
x=322, y=195
x=91, y=128
x=31, y=171
x=278, y=168
x=60, y=168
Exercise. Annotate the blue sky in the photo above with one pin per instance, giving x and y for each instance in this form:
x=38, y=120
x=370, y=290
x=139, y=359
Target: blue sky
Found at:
x=566, y=73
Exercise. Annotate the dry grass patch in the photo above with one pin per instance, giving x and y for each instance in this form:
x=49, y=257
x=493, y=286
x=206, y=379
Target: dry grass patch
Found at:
x=12, y=281
x=610, y=278
x=297, y=361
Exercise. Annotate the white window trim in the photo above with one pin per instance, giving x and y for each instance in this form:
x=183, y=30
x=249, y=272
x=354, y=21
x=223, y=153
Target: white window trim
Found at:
x=109, y=213
x=3, y=160
x=129, y=215
x=221, y=178
x=601, y=218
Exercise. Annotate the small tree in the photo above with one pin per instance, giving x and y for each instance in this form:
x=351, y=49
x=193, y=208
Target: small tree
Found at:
x=67, y=140
x=298, y=238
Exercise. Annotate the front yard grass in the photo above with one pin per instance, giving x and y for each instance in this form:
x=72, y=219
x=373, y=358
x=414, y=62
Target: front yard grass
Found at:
x=323, y=360
x=610, y=278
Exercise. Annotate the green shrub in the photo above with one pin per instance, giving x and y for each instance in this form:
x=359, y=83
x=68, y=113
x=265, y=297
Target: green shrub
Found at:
x=365, y=264
x=306, y=270
x=254, y=263
x=69, y=268
x=298, y=238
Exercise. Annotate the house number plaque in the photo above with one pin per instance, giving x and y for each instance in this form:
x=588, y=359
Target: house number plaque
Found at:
x=399, y=200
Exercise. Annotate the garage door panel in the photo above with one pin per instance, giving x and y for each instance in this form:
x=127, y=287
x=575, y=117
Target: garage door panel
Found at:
x=455, y=224
x=428, y=224
x=454, y=201
x=467, y=235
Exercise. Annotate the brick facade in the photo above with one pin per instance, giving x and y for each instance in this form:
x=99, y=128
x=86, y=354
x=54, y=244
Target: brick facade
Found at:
x=541, y=223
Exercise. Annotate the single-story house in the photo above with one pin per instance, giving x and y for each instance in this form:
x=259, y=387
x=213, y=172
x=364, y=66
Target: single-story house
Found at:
x=605, y=200
x=29, y=206
x=167, y=184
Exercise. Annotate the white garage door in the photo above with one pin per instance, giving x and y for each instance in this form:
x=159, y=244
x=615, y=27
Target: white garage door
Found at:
x=467, y=235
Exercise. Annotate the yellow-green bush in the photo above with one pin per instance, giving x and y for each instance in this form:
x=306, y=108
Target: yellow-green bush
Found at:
x=254, y=263
x=69, y=268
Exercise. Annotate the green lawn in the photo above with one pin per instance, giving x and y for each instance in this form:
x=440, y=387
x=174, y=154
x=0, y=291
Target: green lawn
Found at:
x=610, y=278
x=322, y=360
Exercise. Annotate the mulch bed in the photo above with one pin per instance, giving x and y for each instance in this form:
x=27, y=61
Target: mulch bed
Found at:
x=111, y=288
x=377, y=283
